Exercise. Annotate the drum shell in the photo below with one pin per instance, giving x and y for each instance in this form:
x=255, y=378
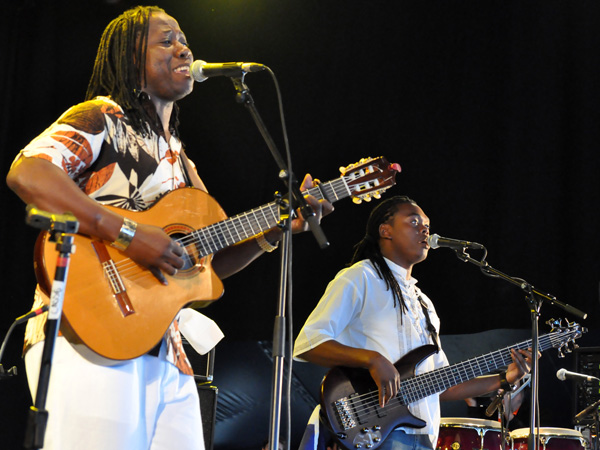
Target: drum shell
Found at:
x=550, y=439
x=469, y=434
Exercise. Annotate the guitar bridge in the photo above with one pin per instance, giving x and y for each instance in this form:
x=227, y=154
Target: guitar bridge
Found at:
x=344, y=412
x=114, y=278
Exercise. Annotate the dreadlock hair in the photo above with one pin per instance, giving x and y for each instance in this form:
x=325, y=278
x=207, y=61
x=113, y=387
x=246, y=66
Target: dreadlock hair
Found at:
x=368, y=247
x=119, y=69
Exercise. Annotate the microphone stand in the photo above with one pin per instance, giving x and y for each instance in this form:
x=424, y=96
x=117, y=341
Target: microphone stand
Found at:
x=592, y=410
x=295, y=201
x=534, y=298
x=58, y=226
x=499, y=400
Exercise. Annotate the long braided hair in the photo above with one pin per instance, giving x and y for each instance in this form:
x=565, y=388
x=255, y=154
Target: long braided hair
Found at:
x=368, y=247
x=119, y=70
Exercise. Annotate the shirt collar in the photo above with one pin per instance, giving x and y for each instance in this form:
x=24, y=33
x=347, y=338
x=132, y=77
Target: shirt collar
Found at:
x=401, y=273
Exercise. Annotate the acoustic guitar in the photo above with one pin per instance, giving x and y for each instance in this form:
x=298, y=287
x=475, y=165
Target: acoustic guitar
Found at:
x=116, y=309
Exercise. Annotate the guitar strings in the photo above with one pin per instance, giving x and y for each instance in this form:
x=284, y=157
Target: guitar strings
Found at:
x=414, y=388
x=129, y=268
x=217, y=234
x=547, y=341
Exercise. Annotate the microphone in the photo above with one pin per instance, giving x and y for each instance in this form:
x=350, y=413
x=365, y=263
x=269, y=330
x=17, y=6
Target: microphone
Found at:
x=592, y=408
x=201, y=70
x=563, y=375
x=493, y=406
x=436, y=241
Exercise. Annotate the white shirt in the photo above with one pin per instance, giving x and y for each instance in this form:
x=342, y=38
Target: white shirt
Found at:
x=358, y=310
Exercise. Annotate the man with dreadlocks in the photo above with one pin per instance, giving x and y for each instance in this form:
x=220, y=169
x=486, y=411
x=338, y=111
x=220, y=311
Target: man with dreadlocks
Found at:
x=373, y=313
x=121, y=148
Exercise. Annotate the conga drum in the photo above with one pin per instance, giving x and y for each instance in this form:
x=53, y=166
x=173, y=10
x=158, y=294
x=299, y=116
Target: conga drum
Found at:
x=550, y=439
x=458, y=433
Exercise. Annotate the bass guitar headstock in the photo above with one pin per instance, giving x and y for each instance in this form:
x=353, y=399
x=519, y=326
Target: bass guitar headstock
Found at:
x=566, y=334
x=369, y=177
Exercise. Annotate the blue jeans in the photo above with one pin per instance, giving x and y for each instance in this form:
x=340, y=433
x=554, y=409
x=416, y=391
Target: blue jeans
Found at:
x=399, y=440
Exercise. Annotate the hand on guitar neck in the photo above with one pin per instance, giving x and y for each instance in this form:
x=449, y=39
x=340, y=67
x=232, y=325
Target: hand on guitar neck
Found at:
x=232, y=259
x=320, y=207
x=521, y=365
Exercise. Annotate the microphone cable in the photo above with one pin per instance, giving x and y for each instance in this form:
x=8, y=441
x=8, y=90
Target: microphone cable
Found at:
x=19, y=320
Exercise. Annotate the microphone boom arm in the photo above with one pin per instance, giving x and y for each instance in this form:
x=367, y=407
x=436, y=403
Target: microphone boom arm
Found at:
x=524, y=285
x=534, y=298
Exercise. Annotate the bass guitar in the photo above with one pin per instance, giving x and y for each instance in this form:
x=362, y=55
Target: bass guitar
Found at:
x=119, y=310
x=350, y=399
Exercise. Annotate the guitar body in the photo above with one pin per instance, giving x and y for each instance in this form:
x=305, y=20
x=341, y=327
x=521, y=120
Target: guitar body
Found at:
x=350, y=402
x=124, y=325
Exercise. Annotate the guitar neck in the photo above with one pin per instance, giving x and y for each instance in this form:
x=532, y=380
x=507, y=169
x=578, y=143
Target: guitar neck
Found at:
x=439, y=380
x=250, y=223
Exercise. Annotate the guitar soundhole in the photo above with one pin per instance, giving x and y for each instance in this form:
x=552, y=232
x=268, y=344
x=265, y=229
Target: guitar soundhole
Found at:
x=193, y=262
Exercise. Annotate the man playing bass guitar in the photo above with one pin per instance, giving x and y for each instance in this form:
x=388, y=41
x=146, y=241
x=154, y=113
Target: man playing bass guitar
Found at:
x=373, y=314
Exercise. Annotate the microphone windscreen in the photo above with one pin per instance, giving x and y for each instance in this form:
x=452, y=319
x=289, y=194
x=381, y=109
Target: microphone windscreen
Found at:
x=432, y=240
x=196, y=71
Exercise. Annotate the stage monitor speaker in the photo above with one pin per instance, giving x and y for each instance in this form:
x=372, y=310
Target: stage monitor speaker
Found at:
x=208, y=409
x=587, y=361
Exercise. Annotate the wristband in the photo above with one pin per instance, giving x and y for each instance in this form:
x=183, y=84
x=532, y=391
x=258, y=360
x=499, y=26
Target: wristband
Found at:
x=264, y=244
x=504, y=384
x=126, y=234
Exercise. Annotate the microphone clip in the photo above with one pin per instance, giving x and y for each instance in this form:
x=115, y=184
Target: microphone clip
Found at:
x=495, y=404
x=7, y=374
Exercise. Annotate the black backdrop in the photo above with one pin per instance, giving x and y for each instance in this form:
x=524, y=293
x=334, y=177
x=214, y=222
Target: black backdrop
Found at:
x=491, y=108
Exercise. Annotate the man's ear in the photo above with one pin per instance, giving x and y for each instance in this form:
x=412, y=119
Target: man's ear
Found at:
x=385, y=231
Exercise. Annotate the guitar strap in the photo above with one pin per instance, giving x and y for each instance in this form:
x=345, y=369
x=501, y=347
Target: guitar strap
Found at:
x=191, y=175
x=430, y=327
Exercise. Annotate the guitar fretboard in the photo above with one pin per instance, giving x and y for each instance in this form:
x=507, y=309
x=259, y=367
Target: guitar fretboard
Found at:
x=235, y=229
x=424, y=385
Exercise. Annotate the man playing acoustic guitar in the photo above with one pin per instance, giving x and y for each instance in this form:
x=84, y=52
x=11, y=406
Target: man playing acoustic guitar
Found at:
x=121, y=149
x=372, y=315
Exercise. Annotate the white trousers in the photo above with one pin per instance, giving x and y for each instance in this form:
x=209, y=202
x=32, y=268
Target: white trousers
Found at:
x=141, y=404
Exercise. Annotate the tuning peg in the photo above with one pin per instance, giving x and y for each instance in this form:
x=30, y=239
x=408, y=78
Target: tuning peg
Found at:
x=367, y=198
x=377, y=195
x=554, y=324
x=357, y=200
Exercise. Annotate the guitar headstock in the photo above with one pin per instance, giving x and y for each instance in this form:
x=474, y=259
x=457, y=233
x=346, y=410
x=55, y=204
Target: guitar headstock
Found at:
x=369, y=177
x=567, y=335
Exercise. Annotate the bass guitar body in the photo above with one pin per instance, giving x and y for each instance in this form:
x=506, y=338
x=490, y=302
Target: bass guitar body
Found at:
x=350, y=401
